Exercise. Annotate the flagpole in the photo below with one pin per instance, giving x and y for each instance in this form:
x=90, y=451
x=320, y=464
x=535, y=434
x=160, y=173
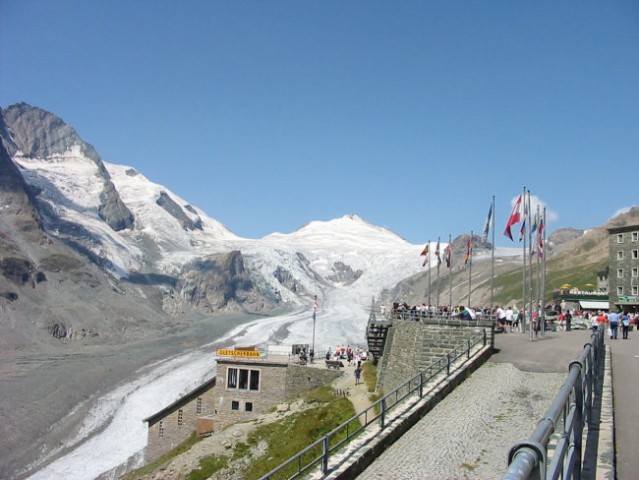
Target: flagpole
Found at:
x=492, y=275
x=430, y=264
x=539, y=286
x=450, y=275
x=543, y=262
x=534, y=299
x=524, y=288
x=470, y=265
x=437, y=280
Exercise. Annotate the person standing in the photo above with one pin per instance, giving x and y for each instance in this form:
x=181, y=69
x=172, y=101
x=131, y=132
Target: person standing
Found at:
x=625, y=325
x=501, y=317
x=613, y=322
x=358, y=375
x=568, y=320
x=509, y=319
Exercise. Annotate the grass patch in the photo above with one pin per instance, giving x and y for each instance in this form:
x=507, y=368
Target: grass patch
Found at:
x=208, y=466
x=369, y=375
x=297, y=431
x=185, y=446
x=508, y=286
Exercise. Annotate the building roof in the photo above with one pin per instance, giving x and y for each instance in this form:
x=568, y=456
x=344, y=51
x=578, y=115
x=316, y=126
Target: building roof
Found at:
x=594, y=304
x=180, y=401
x=625, y=228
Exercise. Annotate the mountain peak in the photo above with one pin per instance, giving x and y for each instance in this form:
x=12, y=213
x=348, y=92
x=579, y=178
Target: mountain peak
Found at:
x=38, y=133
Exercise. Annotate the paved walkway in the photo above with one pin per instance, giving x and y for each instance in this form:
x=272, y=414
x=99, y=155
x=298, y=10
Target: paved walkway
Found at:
x=507, y=403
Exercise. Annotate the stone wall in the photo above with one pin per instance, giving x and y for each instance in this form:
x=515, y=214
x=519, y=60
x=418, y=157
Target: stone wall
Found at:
x=170, y=427
x=234, y=405
x=301, y=379
x=413, y=346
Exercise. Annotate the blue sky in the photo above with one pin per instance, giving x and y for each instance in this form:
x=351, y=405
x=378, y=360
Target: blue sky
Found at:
x=410, y=114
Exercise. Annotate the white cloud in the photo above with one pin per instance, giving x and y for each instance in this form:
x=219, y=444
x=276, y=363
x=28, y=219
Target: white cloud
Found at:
x=551, y=215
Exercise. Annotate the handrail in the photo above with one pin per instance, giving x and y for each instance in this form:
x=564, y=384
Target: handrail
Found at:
x=378, y=412
x=572, y=411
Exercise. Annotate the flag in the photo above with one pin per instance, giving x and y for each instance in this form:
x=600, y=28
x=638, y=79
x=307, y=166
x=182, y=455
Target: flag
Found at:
x=515, y=217
x=425, y=254
x=522, y=230
x=540, y=238
x=488, y=222
x=469, y=250
x=533, y=227
x=447, y=253
x=439, y=258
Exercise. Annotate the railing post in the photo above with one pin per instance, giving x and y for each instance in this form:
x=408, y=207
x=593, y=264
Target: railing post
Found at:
x=382, y=413
x=421, y=384
x=325, y=452
x=448, y=364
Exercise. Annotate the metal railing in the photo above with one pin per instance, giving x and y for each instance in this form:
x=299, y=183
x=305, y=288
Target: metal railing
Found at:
x=318, y=453
x=570, y=412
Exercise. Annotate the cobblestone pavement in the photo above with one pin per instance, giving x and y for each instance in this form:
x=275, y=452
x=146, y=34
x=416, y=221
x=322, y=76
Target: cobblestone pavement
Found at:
x=469, y=434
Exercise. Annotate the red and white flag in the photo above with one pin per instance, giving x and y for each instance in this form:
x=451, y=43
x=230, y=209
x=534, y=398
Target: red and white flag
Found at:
x=515, y=217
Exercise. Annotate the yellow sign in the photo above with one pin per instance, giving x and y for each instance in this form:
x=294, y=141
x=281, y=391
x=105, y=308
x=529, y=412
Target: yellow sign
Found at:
x=226, y=352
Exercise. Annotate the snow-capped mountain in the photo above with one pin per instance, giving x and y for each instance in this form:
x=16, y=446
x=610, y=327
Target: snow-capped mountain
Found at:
x=144, y=235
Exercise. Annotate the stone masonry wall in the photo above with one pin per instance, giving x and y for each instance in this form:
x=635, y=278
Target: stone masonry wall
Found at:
x=412, y=346
x=301, y=379
x=272, y=391
x=178, y=424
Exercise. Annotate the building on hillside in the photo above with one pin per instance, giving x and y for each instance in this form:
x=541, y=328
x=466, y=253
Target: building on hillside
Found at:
x=624, y=268
x=248, y=383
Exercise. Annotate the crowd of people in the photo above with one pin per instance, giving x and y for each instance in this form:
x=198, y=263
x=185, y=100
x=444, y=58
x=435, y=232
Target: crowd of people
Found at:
x=613, y=322
x=509, y=318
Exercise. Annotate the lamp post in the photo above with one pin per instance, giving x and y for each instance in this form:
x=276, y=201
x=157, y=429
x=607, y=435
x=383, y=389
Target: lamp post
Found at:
x=312, y=352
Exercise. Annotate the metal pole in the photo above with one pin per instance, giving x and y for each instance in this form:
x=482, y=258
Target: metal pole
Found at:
x=437, y=254
x=492, y=276
x=312, y=356
x=449, y=258
x=470, y=265
x=429, y=283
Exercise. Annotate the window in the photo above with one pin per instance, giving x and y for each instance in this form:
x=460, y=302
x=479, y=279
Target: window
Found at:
x=235, y=405
x=198, y=405
x=254, y=384
x=161, y=428
x=620, y=273
x=180, y=417
x=231, y=378
x=635, y=254
x=243, y=379
x=635, y=290
x=635, y=236
x=248, y=406
x=620, y=238
x=635, y=272
x=620, y=255
x=619, y=290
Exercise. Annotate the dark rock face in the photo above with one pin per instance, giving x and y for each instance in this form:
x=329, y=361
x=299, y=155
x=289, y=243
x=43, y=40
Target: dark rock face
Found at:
x=15, y=195
x=344, y=274
x=40, y=134
x=286, y=279
x=220, y=283
x=176, y=212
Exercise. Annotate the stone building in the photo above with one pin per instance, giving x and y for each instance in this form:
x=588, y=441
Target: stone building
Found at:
x=624, y=268
x=248, y=383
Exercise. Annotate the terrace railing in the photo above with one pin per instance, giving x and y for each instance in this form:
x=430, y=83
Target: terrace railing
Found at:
x=379, y=413
x=566, y=418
